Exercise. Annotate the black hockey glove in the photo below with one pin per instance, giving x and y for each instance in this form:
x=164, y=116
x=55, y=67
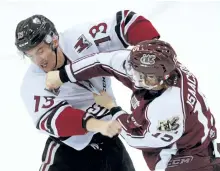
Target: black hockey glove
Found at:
x=115, y=110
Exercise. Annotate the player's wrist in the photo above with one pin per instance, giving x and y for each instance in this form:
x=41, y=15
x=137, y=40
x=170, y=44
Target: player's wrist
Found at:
x=110, y=105
x=116, y=112
x=63, y=75
x=94, y=125
x=85, y=119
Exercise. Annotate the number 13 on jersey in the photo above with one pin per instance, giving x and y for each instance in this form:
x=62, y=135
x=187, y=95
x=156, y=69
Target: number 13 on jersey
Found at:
x=100, y=28
x=98, y=33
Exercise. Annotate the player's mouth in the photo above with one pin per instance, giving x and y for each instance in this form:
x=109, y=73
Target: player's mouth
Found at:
x=44, y=64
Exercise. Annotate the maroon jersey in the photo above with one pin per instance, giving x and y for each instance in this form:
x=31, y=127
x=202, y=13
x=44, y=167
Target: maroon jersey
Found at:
x=163, y=123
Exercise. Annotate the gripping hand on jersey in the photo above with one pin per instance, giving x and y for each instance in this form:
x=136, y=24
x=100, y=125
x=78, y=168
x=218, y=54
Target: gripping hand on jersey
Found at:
x=104, y=100
x=53, y=80
x=107, y=128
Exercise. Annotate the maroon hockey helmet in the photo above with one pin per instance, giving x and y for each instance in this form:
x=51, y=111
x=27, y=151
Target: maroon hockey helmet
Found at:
x=153, y=57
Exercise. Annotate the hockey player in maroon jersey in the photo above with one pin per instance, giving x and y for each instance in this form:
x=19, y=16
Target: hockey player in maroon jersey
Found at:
x=59, y=113
x=171, y=121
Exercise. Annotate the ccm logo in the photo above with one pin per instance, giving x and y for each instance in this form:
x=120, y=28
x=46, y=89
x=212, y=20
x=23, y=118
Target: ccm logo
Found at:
x=180, y=160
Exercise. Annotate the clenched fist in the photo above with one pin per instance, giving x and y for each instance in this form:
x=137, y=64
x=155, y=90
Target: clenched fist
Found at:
x=110, y=128
x=107, y=128
x=53, y=80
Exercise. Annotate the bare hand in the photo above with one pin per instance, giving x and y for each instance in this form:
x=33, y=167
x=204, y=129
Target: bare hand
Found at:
x=104, y=100
x=53, y=80
x=110, y=128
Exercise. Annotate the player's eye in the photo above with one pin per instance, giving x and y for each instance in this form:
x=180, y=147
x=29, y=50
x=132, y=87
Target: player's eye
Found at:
x=150, y=76
x=40, y=51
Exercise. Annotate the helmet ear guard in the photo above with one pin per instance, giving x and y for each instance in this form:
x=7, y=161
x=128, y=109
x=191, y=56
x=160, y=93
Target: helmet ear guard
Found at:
x=172, y=79
x=49, y=39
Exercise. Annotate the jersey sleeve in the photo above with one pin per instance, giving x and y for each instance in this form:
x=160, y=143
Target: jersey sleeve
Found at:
x=51, y=115
x=153, y=126
x=102, y=64
x=123, y=29
x=132, y=28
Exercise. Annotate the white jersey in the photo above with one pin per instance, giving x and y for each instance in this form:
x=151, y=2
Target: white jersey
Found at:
x=45, y=108
x=60, y=113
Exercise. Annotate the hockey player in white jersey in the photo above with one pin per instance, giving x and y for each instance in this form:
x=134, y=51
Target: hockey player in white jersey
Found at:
x=170, y=121
x=59, y=113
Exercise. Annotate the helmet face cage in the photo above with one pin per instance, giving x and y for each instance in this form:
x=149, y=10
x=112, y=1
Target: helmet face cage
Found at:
x=138, y=78
x=128, y=68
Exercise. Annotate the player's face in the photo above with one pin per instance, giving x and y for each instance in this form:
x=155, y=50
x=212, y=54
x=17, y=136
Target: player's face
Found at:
x=149, y=81
x=43, y=56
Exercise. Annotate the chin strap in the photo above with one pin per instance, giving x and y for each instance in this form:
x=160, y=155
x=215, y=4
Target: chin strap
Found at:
x=54, y=49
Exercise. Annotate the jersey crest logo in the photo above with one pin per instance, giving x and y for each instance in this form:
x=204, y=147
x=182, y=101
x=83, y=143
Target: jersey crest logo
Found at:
x=147, y=59
x=169, y=125
x=82, y=44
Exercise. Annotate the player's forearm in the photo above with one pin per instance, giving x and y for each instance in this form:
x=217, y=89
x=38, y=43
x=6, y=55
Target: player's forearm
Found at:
x=94, y=125
x=102, y=64
x=68, y=74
